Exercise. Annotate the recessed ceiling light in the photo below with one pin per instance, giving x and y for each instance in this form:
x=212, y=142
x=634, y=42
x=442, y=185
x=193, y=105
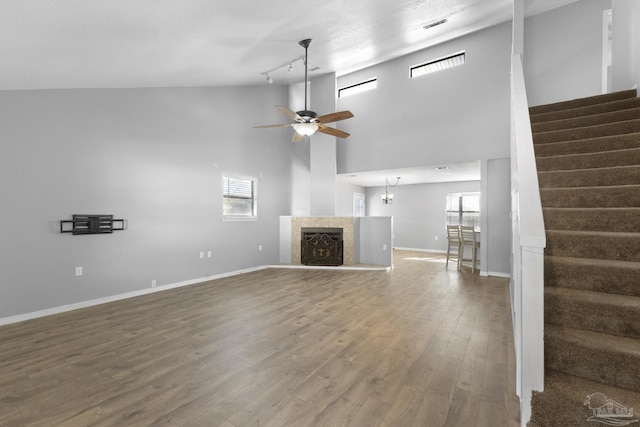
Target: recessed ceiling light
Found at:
x=440, y=168
x=434, y=24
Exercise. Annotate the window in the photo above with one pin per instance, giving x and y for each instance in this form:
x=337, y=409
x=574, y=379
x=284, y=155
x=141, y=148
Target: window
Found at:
x=438, y=64
x=359, y=200
x=463, y=209
x=239, y=198
x=358, y=87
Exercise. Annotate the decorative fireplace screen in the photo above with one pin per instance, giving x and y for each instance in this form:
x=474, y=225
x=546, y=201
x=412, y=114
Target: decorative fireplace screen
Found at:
x=321, y=246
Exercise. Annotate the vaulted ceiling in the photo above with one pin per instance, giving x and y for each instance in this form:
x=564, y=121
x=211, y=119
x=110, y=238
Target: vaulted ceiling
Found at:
x=158, y=43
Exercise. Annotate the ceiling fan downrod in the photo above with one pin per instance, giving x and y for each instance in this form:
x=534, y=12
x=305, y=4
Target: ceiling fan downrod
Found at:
x=308, y=115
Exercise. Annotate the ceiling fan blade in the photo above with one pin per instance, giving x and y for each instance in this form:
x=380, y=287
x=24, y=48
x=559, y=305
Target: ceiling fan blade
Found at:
x=291, y=114
x=297, y=137
x=335, y=117
x=273, y=126
x=332, y=131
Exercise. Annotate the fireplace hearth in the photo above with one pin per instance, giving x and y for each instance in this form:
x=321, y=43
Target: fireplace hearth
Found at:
x=321, y=246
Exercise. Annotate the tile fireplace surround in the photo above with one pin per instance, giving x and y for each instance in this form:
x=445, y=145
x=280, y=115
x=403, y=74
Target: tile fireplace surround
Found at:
x=346, y=223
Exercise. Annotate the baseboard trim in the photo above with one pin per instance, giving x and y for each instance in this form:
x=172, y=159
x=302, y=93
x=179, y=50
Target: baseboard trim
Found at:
x=499, y=274
x=89, y=303
x=334, y=267
x=437, y=251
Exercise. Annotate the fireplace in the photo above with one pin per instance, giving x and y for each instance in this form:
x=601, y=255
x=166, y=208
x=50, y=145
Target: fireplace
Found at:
x=321, y=246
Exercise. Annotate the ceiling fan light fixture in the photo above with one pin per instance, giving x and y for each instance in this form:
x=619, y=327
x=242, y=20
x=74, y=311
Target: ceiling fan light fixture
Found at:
x=306, y=129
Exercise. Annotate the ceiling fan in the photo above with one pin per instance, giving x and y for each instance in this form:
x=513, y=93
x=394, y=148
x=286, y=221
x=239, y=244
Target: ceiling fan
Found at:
x=307, y=122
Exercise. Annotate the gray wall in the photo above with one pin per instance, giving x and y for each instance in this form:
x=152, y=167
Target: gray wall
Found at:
x=323, y=149
x=457, y=115
x=563, y=52
x=418, y=212
x=344, y=197
x=152, y=156
x=498, y=214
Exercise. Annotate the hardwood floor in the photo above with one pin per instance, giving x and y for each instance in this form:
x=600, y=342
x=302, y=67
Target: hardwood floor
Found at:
x=419, y=346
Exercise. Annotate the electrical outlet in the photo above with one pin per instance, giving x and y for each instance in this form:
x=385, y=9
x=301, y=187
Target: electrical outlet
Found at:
x=78, y=271
x=209, y=254
x=201, y=254
x=259, y=247
x=154, y=283
x=384, y=247
x=435, y=237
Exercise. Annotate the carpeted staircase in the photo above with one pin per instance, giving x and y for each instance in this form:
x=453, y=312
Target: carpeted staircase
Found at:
x=588, y=157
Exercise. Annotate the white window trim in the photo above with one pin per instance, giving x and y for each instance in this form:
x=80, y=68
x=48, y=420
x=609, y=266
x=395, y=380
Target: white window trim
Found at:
x=240, y=218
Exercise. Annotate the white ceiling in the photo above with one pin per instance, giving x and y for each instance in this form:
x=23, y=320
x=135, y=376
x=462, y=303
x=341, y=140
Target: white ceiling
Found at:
x=59, y=44
x=159, y=43
x=451, y=172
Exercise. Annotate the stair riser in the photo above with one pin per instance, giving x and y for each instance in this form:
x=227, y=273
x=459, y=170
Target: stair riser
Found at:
x=583, y=102
x=592, y=316
x=610, y=279
x=607, y=365
x=594, y=120
x=586, y=111
x=619, y=128
x=625, y=175
x=591, y=160
x=588, y=197
x=620, y=248
x=624, y=220
x=592, y=145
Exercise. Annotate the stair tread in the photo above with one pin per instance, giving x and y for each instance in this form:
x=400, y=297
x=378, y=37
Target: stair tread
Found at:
x=590, y=154
x=582, y=102
x=595, y=340
x=626, y=235
x=605, y=168
x=587, y=120
x=595, y=261
x=599, y=125
x=562, y=403
x=605, y=208
x=616, y=105
x=590, y=145
x=594, y=188
x=612, y=300
x=608, y=129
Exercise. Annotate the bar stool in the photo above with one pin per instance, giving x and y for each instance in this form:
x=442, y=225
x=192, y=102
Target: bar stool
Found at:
x=453, y=241
x=468, y=240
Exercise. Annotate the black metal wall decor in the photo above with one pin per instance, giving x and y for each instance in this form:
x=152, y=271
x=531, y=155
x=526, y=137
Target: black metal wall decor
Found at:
x=91, y=224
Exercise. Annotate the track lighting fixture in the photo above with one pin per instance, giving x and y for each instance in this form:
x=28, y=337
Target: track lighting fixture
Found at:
x=288, y=65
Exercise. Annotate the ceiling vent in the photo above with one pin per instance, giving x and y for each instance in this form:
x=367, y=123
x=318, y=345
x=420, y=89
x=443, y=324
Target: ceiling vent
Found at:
x=438, y=65
x=434, y=24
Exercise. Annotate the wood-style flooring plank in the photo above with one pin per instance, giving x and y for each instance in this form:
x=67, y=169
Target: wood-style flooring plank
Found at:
x=421, y=345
